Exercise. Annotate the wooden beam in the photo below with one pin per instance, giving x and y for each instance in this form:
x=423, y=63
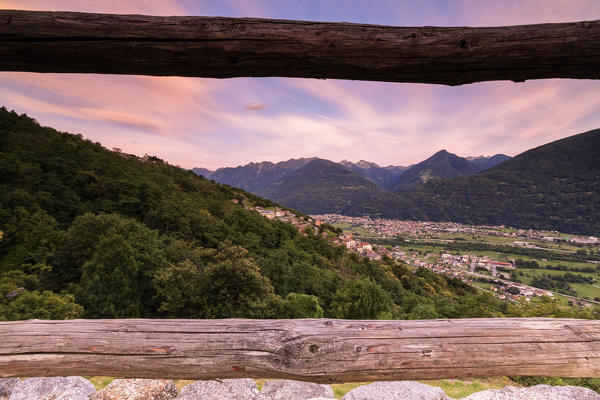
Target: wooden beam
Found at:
x=318, y=350
x=40, y=41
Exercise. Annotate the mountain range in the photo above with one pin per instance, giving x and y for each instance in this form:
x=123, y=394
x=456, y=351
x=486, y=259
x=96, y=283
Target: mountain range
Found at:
x=443, y=165
x=382, y=176
x=554, y=186
x=257, y=177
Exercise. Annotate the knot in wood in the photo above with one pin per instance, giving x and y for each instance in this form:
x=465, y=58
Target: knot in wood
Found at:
x=464, y=44
x=313, y=348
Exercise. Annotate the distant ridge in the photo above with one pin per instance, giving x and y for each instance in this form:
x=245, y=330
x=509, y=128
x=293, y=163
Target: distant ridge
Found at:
x=441, y=165
x=488, y=162
x=555, y=186
x=322, y=186
x=203, y=172
x=383, y=176
x=255, y=177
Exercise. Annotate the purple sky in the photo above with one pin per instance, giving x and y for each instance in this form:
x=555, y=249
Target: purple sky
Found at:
x=213, y=123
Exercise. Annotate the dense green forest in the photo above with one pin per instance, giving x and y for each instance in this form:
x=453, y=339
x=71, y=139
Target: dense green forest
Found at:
x=88, y=232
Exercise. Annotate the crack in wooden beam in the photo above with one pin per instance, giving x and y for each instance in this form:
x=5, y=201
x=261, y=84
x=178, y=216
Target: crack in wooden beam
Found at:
x=319, y=350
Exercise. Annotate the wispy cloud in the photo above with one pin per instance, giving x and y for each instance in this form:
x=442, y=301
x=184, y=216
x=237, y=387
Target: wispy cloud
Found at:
x=149, y=7
x=212, y=123
x=254, y=106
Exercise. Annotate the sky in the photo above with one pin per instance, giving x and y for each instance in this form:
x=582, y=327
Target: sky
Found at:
x=211, y=123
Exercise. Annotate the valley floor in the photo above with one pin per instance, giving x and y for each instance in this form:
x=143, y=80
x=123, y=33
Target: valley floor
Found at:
x=514, y=264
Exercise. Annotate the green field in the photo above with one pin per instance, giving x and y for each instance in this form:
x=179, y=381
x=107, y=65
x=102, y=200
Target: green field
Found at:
x=357, y=231
x=426, y=244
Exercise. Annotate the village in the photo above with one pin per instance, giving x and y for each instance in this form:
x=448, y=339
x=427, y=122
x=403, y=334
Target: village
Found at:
x=464, y=267
x=386, y=228
x=467, y=267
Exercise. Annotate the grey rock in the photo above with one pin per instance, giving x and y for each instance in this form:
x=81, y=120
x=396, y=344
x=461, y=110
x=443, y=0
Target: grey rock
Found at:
x=137, y=389
x=69, y=388
x=14, y=293
x=220, y=389
x=283, y=389
x=538, y=392
x=6, y=387
x=398, y=390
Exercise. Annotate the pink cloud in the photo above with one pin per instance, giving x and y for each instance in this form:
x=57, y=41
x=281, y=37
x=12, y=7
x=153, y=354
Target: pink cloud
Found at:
x=204, y=122
x=254, y=106
x=519, y=12
x=148, y=7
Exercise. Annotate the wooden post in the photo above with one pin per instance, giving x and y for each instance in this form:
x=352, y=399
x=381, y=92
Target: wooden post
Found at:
x=40, y=41
x=318, y=350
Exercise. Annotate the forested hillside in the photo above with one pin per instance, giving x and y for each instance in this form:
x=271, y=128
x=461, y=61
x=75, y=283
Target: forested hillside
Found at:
x=554, y=186
x=322, y=186
x=88, y=232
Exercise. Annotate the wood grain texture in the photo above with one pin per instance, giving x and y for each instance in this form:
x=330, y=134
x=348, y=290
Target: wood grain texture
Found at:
x=318, y=350
x=215, y=47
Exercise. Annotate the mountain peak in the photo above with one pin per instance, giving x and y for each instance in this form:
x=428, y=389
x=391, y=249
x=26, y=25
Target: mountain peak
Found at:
x=366, y=164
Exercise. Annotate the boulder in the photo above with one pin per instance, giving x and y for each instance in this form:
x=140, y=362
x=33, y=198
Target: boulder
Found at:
x=283, y=389
x=138, y=389
x=399, y=390
x=538, y=392
x=60, y=388
x=220, y=389
x=6, y=387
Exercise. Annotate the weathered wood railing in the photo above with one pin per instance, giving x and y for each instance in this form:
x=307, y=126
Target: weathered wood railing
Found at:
x=318, y=350
x=41, y=41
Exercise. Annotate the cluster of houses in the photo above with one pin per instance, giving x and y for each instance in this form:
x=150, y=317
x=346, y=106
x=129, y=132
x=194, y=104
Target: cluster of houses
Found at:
x=464, y=267
x=512, y=291
x=365, y=249
x=288, y=216
x=472, y=262
x=424, y=229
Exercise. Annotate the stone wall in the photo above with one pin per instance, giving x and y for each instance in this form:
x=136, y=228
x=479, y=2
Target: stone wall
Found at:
x=78, y=388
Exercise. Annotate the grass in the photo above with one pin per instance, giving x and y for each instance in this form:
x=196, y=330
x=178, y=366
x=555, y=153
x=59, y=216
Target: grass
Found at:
x=99, y=382
x=179, y=383
x=482, y=285
x=357, y=231
x=340, y=389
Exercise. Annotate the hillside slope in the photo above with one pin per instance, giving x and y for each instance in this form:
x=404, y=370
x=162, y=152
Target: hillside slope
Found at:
x=87, y=232
x=554, y=186
x=254, y=177
x=484, y=163
x=382, y=176
x=441, y=165
x=322, y=186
